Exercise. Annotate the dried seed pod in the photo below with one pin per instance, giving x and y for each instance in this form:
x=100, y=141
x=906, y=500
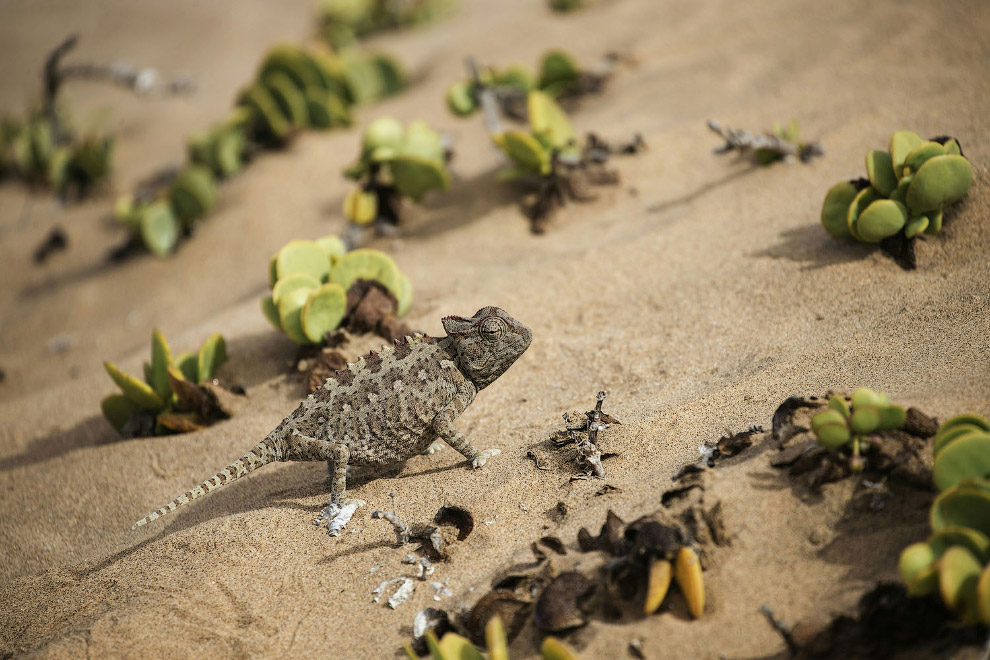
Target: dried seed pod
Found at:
x=661, y=573
x=496, y=640
x=559, y=606
x=689, y=579
x=554, y=649
x=501, y=603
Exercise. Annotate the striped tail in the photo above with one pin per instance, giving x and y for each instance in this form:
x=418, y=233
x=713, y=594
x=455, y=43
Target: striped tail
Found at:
x=267, y=451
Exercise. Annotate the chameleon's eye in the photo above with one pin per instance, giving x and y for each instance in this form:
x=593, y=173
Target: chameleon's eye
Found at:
x=492, y=328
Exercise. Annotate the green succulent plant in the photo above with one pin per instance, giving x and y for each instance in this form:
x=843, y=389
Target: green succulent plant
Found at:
x=558, y=74
x=907, y=188
x=295, y=89
x=154, y=396
x=456, y=647
x=32, y=151
x=342, y=22
x=844, y=425
x=310, y=280
x=395, y=162
x=551, y=136
x=955, y=559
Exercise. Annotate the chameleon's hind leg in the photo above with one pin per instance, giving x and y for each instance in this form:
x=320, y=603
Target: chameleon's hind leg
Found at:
x=338, y=511
x=443, y=426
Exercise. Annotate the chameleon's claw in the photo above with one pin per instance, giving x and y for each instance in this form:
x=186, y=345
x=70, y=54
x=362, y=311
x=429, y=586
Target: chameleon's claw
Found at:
x=482, y=457
x=328, y=513
x=336, y=516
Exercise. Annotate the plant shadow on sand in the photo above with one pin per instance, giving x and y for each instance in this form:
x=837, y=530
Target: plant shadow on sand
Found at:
x=90, y=432
x=260, y=358
x=811, y=246
x=469, y=200
x=702, y=190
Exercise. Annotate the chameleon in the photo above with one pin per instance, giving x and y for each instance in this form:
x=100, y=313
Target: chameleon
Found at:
x=385, y=408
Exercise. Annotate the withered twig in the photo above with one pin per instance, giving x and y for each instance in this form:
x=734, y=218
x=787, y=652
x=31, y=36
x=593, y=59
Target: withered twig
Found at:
x=749, y=143
x=486, y=99
x=402, y=531
x=589, y=456
x=780, y=627
x=141, y=80
x=536, y=460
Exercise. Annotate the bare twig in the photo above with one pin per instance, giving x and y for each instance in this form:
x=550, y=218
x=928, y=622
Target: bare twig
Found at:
x=749, y=143
x=486, y=98
x=780, y=627
x=141, y=80
x=589, y=455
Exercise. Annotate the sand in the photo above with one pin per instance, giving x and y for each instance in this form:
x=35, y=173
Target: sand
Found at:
x=700, y=293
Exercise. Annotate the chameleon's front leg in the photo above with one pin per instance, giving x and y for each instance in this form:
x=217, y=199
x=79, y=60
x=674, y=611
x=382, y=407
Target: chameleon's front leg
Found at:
x=443, y=426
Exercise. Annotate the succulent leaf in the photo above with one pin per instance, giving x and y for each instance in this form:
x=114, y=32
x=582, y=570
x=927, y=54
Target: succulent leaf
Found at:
x=139, y=392
x=880, y=169
x=161, y=360
x=324, y=310
x=835, y=210
x=117, y=408
x=940, y=180
x=965, y=457
x=299, y=256
x=366, y=264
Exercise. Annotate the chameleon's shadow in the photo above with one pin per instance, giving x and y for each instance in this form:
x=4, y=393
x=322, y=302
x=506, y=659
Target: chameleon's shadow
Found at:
x=258, y=492
x=87, y=433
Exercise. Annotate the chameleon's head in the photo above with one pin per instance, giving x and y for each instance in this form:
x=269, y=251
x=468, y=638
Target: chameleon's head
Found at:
x=487, y=343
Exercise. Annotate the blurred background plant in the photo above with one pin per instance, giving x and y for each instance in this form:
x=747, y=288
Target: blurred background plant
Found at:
x=955, y=560
x=296, y=88
x=396, y=162
x=343, y=22
x=45, y=147
x=505, y=90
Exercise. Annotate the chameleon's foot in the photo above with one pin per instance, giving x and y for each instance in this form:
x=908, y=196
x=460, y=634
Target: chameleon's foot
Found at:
x=483, y=456
x=336, y=516
x=435, y=447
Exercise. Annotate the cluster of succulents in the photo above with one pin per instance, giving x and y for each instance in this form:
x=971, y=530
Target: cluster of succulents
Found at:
x=34, y=151
x=168, y=399
x=310, y=284
x=908, y=187
x=558, y=76
x=159, y=218
x=456, y=647
x=296, y=88
x=844, y=427
x=955, y=560
x=395, y=162
x=342, y=22
x=549, y=153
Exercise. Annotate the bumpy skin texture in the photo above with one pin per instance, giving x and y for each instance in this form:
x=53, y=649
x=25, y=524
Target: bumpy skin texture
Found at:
x=387, y=407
